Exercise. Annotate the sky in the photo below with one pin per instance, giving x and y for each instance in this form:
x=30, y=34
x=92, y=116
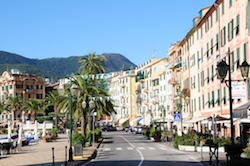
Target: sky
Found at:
x=137, y=29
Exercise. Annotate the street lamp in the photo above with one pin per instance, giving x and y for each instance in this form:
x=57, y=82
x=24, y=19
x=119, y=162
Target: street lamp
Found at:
x=222, y=69
x=179, y=106
x=73, y=90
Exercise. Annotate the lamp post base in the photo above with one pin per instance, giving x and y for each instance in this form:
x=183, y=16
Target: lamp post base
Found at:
x=70, y=154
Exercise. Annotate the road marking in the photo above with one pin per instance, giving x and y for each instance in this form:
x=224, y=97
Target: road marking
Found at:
x=119, y=148
x=130, y=148
x=140, y=153
x=162, y=148
x=141, y=148
x=106, y=149
x=151, y=148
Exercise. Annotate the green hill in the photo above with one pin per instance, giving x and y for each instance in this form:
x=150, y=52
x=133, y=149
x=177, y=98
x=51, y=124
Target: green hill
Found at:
x=56, y=68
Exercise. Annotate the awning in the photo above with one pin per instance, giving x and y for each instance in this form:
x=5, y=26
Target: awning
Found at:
x=134, y=121
x=139, y=119
x=197, y=119
x=220, y=117
x=123, y=120
x=241, y=111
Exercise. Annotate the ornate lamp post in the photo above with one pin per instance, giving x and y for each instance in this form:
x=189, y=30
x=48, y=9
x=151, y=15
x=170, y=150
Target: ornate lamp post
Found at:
x=73, y=90
x=222, y=69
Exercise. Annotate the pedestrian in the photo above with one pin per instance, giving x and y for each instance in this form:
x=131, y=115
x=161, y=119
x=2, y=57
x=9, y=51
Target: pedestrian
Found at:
x=179, y=133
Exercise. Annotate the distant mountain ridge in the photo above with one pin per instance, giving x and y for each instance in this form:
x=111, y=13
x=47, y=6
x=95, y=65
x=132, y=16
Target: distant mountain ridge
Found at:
x=56, y=68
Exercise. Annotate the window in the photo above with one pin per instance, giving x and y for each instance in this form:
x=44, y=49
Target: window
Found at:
x=218, y=99
x=237, y=25
x=212, y=101
x=202, y=78
x=212, y=77
x=232, y=27
x=228, y=32
x=39, y=96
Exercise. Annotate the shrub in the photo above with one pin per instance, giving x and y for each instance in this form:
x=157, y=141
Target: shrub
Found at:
x=78, y=138
x=98, y=134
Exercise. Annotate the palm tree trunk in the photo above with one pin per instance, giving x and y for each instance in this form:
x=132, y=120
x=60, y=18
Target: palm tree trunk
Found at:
x=83, y=123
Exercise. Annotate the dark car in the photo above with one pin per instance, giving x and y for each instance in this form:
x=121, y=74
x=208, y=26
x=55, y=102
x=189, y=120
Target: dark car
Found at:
x=109, y=128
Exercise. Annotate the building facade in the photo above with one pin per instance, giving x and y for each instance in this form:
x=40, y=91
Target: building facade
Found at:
x=26, y=86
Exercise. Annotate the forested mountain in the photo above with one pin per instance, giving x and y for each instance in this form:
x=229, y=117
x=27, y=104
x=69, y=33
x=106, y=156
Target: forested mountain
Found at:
x=55, y=68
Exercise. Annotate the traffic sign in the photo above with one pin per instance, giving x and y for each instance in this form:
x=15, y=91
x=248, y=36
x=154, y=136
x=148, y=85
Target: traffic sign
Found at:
x=177, y=117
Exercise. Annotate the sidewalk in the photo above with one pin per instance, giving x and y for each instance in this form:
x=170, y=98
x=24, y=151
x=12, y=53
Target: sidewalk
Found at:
x=203, y=157
x=41, y=153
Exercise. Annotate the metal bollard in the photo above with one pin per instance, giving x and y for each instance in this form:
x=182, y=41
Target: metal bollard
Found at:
x=66, y=163
x=53, y=157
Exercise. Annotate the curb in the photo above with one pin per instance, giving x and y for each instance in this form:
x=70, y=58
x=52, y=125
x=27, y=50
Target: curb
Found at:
x=93, y=155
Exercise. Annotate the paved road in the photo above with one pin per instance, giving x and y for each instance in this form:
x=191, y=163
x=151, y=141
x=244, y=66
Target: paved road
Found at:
x=126, y=149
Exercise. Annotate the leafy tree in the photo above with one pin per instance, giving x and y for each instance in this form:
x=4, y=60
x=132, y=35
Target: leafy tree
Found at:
x=34, y=106
x=53, y=99
x=13, y=104
x=92, y=64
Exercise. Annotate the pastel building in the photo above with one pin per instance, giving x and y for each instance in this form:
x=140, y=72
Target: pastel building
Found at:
x=26, y=86
x=221, y=31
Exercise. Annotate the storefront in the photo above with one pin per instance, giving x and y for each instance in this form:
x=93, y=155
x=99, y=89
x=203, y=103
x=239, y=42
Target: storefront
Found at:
x=243, y=128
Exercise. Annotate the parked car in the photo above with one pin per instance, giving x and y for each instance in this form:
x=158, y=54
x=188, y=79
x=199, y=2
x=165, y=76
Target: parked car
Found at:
x=109, y=128
x=127, y=128
x=119, y=128
x=137, y=130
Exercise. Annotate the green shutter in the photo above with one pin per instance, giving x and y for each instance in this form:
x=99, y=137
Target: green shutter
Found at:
x=238, y=55
x=248, y=91
x=222, y=5
x=230, y=2
x=232, y=27
x=233, y=61
x=208, y=99
x=228, y=31
x=225, y=37
x=245, y=51
x=217, y=14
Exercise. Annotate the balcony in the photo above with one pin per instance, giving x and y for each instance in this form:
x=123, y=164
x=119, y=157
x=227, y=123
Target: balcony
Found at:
x=178, y=66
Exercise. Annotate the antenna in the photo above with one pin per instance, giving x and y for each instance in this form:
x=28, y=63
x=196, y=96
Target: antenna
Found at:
x=153, y=55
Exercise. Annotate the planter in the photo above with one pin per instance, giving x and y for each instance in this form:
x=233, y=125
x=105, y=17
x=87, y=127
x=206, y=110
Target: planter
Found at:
x=187, y=148
x=206, y=149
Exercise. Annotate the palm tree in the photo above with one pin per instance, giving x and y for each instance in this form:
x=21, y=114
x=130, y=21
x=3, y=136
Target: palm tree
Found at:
x=54, y=99
x=34, y=106
x=92, y=64
x=2, y=107
x=13, y=104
